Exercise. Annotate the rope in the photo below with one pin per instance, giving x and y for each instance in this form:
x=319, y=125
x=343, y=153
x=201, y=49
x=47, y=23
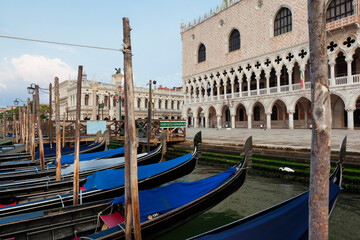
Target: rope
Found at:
x=61, y=43
x=62, y=203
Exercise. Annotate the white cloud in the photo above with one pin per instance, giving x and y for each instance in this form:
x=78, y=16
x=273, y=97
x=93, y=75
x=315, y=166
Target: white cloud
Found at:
x=41, y=70
x=18, y=73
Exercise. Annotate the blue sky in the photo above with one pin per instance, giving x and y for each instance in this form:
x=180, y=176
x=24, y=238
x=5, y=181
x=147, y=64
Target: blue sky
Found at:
x=155, y=36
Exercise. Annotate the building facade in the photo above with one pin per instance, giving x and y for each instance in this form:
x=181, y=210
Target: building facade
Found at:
x=167, y=103
x=246, y=64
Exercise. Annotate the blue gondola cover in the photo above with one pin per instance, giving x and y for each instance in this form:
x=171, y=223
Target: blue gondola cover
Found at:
x=69, y=159
x=164, y=199
x=289, y=221
x=113, y=178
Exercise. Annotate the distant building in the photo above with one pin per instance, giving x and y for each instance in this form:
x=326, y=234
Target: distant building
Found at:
x=246, y=64
x=167, y=102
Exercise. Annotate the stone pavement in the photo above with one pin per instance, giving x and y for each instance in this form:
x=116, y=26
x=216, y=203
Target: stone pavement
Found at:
x=297, y=138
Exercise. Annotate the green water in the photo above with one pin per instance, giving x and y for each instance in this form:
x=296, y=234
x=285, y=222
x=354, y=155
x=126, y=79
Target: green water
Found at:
x=259, y=193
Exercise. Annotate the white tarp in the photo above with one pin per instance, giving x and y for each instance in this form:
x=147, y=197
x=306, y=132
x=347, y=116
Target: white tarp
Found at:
x=92, y=127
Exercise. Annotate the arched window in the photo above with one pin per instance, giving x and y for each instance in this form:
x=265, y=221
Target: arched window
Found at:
x=97, y=100
x=283, y=22
x=296, y=114
x=159, y=104
x=138, y=103
x=274, y=114
x=257, y=113
x=338, y=9
x=241, y=115
x=106, y=99
x=86, y=100
x=234, y=40
x=166, y=104
x=202, y=53
x=114, y=102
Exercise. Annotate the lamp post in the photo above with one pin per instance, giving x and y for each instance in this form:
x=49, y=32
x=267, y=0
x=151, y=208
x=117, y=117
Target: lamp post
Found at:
x=229, y=104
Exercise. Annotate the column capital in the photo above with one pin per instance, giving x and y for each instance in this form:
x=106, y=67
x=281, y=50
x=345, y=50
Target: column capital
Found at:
x=291, y=112
x=350, y=109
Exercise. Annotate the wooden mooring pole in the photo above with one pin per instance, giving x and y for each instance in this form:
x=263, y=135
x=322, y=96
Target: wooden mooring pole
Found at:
x=131, y=179
x=77, y=138
x=321, y=122
x=58, y=134
x=33, y=143
x=41, y=142
x=63, y=131
x=27, y=125
x=50, y=115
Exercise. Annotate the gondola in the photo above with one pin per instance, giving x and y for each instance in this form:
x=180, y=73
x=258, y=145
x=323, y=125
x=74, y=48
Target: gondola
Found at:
x=50, y=153
x=46, y=181
x=14, y=148
x=168, y=207
x=11, y=167
x=287, y=220
x=6, y=140
x=107, y=184
x=28, y=165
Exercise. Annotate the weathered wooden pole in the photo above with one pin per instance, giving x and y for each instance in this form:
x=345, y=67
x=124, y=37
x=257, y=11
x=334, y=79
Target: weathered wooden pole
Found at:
x=23, y=125
x=58, y=133
x=4, y=125
x=41, y=142
x=16, y=127
x=102, y=110
x=33, y=143
x=149, y=118
x=321, y=122
x=13, y=126
x=27, y=125
x=50, y=115
x=77, y=138
x=131, y=179
x=63, y=131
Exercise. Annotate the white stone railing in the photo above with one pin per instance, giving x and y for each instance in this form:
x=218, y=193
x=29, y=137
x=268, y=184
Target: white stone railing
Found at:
x=341, y=80
x=284, y=88
x=273, y=90
x=296, y=86
x=253, y=92
x=356, y=78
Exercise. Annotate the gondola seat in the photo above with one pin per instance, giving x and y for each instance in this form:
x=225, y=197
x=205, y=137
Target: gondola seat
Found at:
x=113, y=219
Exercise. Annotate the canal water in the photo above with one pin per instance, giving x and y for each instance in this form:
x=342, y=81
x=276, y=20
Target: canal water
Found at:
x=259, y=193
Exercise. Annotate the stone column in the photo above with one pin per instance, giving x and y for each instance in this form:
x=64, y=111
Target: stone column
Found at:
x=195, y=122
x=350, y=118
x=349, y=71
x=218, y=92
x=94, y=88
x=267, y=76
x=206, y=121
x=249, y=120
x=211, y=92
x=232, y=121
x=290, y=69
x=291, y=119
x=268, y=120
x=332, y=74
x=278, y=80
x=248, y=85
x=219, y=121
x=258, y=85
x=225, y=90
x=240, y=88
x=232, y=82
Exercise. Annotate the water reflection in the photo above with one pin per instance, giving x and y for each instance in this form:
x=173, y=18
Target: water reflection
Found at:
x=259, y=193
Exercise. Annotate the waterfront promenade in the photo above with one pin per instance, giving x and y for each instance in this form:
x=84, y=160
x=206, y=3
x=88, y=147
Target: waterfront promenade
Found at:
x=297, y=138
